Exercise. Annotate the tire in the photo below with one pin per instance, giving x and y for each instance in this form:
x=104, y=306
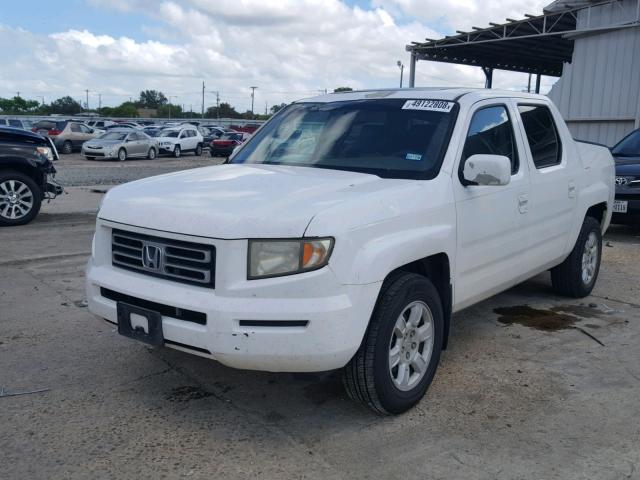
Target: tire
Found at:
x=152, y=154
x=198, y=151
x=28, y=202
x=90, y=158
x=122, y=155
x=212, y=154
x=67, y=147
x=577, y=275
x=177, y=152
x=368, y=378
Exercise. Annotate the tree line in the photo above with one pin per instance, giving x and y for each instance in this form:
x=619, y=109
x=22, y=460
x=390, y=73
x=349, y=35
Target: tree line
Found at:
x=148, y=99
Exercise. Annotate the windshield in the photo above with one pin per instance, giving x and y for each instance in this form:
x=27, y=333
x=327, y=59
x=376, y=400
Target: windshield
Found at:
x=169, y=133
x=629, y=146
x=113, y=136
x=395, y=138
x=231, y=136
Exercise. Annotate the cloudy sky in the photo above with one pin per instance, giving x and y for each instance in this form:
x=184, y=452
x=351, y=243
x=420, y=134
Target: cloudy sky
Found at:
x=289, y=49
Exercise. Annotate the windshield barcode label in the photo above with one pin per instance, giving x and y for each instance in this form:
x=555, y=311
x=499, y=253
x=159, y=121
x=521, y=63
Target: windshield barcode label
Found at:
x=430, y=105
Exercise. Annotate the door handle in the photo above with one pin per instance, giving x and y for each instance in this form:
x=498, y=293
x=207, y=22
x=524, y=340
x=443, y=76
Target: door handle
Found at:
x=572, y=189
x=523, y=203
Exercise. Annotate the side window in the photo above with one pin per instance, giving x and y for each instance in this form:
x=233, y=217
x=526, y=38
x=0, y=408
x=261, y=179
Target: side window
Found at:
x=75, y=127
x=491, y=133
x=133, y=136
x=542, y=135
x=15, y=123
x=85, y=129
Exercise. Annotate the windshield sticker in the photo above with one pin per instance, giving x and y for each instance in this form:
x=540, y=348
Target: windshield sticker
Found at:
x=413, y=156
x=429, y=105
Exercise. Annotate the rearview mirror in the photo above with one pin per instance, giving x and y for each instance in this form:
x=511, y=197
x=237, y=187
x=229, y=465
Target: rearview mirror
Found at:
x=487, y=170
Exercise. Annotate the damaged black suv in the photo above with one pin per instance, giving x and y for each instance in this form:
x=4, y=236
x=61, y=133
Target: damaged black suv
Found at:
x=26, y=175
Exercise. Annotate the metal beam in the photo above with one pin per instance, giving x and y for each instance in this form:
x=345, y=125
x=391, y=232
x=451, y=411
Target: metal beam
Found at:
x=412, y=70
x=538, y=78
x=488, y=73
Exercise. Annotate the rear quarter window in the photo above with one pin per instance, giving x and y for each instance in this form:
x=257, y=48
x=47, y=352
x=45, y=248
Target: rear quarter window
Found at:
x=542, y=135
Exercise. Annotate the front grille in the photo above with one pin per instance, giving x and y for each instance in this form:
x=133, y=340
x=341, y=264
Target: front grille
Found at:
x=175, y=260
x=162, y=309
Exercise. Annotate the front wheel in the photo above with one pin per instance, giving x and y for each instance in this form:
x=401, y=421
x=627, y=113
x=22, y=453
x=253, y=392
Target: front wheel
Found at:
x=20, y=199
x=577, y=275
x=67, y=147
x=122, y=154
x=198, y=151
x=176, y=151
x=152, y=153
x=399, y=355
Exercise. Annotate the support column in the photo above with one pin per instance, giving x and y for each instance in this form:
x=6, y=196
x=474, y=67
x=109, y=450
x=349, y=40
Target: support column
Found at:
x=538, y=78
x=488, y=73
x=412, y=70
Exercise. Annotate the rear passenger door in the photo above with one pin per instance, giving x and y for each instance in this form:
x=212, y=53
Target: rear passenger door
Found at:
x=553, y=183
x=491, y=243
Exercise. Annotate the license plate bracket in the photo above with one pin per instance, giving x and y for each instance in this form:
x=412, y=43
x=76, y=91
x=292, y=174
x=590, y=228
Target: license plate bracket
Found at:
x=153, y=334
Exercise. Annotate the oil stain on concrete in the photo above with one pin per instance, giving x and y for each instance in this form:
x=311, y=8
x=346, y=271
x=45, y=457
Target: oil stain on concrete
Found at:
x=549, y=320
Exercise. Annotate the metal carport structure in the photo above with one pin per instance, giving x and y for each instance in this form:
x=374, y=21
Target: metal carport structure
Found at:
x=538, y=44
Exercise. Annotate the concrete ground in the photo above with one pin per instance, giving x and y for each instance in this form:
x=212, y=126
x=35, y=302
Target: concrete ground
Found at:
x=532, y=386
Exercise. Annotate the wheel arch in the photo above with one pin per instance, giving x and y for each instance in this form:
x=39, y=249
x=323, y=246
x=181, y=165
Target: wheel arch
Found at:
x=29, y=170
x=437, y=269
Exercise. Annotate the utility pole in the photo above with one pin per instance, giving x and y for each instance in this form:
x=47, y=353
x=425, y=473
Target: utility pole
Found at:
x=265, y=109
x=86, y=105
x=18, y=94
x=99, y=101
x=401, y=67
x=41, y=98
x=203, y=99
x=253, y=92
x=217, y=104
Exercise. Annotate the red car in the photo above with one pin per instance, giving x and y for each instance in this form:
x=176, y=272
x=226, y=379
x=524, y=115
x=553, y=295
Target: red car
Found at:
x=225, y=145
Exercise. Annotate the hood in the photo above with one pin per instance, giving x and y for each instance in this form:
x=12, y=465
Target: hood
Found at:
x=101, y=143
x=627, y=165
x=167, y=139
x=237, y=201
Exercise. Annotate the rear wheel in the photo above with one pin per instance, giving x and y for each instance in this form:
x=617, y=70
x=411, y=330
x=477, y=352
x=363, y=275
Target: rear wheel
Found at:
x=122, y=154
x=20, y=199
x=67, y=147
x=90, y=158
x=198, y=151
x=577, y=275
x=397, y=360
x=152, y=153
x=176, y=151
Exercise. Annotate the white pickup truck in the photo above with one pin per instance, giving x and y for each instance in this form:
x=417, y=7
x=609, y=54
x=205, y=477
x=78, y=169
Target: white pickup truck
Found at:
x=349, y=229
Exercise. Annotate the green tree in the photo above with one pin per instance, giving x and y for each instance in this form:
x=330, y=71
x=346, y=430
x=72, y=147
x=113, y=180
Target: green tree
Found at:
x=18, y=106
x=65, y=106
x=342, y=89
x=126, y=109
x=151, y=99
x=224, y=111
x=277, y=108
x=170, y=111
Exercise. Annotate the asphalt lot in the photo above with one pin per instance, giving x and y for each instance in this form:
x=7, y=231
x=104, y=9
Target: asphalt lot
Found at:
x=544, y=387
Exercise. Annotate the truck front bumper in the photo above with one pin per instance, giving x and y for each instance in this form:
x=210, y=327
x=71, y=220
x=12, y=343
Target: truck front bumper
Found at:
x=300, y=323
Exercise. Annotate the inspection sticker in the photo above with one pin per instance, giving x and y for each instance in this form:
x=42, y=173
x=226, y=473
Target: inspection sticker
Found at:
x=430, y=105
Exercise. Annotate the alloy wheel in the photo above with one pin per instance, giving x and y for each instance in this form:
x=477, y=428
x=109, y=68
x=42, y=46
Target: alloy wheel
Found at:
x=16, y=199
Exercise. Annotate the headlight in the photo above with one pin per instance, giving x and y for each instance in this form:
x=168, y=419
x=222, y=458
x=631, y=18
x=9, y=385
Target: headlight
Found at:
x=272, y=258
x=46, y=151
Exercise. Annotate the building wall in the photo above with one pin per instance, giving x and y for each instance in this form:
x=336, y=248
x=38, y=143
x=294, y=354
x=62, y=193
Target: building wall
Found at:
x=599, y=91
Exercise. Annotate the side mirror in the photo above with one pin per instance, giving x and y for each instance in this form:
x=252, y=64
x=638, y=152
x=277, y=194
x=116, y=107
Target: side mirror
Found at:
x=487, y=170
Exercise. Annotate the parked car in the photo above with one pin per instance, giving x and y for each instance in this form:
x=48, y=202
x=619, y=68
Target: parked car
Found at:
x=26, y=175
x=246, y=127
x=153, y=130
x=226, y=143
x=66, y=135
x=181, y=139
x=626, y=208
x=100, y=124
x=121, y=144
x=345, y=232
x=16, y=123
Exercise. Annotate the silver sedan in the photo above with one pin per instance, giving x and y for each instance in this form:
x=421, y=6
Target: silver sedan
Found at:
x=121, y=144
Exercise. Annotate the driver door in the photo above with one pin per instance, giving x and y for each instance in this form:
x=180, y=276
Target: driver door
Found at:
x=490, y=240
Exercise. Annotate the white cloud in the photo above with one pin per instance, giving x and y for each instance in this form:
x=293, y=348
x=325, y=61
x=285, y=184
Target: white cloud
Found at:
x=288, y=48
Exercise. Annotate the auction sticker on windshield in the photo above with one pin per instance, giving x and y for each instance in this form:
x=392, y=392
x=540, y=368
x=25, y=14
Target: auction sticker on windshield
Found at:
x=430, y=105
